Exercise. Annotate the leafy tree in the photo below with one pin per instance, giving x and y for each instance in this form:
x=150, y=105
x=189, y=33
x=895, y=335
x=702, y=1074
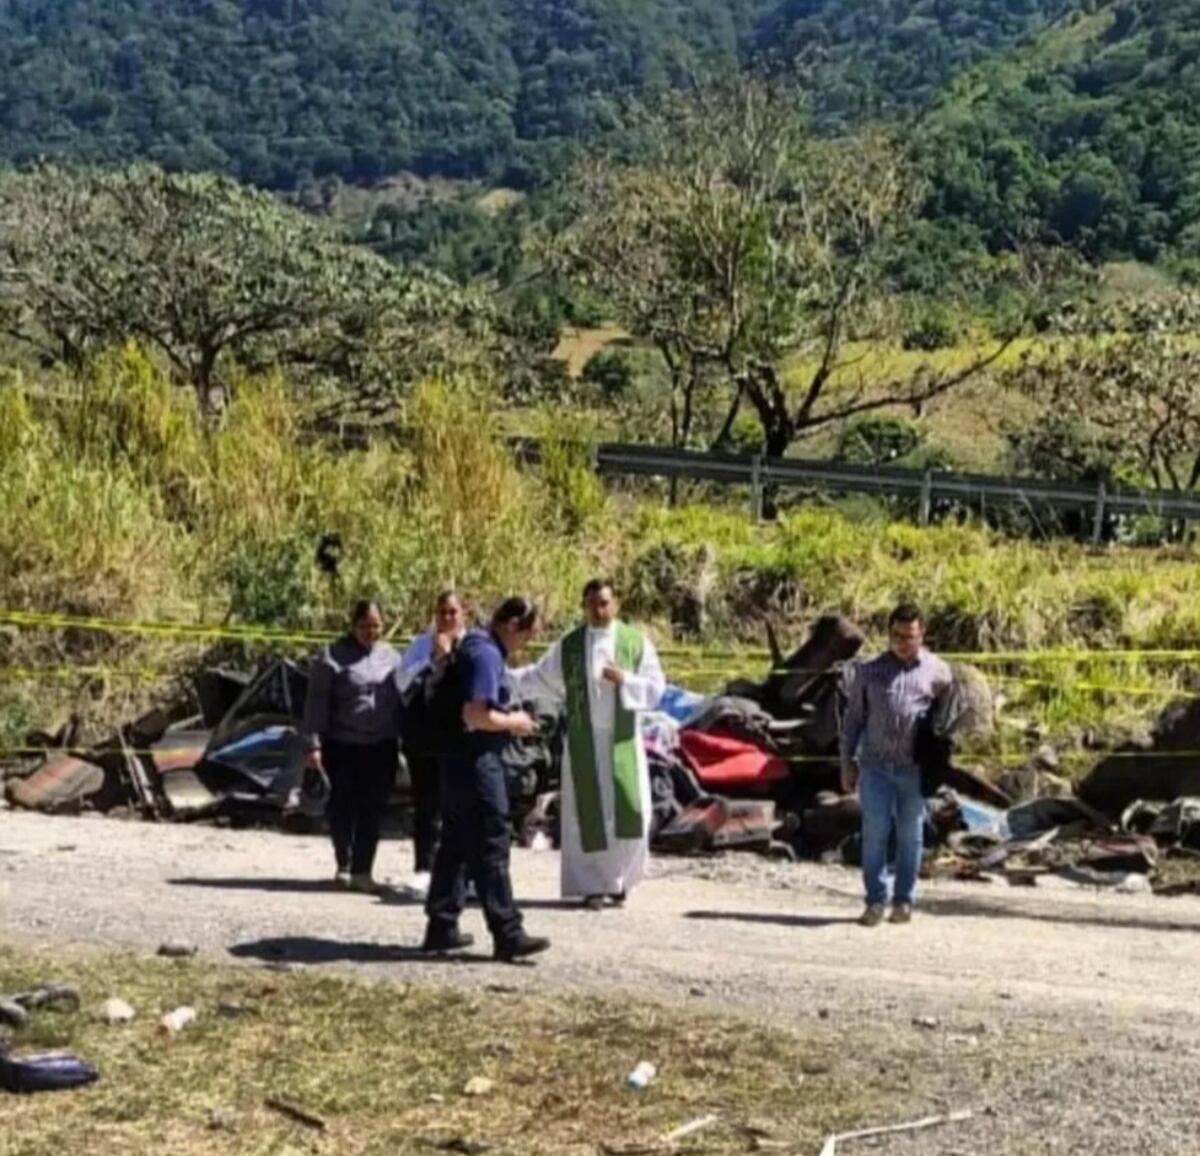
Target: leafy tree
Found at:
x=208, y=273
x=1119, y=396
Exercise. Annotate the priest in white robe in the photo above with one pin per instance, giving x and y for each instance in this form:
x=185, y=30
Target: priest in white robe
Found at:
x=606, y=674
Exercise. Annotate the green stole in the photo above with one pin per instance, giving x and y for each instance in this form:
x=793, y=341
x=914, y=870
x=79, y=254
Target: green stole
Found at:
x=630, y=646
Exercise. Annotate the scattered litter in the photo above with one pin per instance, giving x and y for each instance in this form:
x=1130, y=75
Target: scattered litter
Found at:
x=175, y=1021
x=177, y=950
x=45, y=1072
x=115, y=1011
x=690, y=1129
x=461, y=1145
x=928, y=1023
x=13, y=1014
x=55, y=996
x=832, y=1142
x=642, y=1076
x=16, y=1010
x=479, y=1086
x=223, y=1120
x=296, y=1113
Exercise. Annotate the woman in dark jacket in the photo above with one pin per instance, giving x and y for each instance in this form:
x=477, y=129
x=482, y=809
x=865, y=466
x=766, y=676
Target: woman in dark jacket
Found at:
x=351, y=723
x=429, y=652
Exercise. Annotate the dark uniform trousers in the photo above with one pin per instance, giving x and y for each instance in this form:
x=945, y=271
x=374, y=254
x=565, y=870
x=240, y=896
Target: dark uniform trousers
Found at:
x=425, y=772
x=360, y=779
x=476, y=843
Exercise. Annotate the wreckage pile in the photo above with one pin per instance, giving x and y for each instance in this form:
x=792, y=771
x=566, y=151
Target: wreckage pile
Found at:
x=754, y=768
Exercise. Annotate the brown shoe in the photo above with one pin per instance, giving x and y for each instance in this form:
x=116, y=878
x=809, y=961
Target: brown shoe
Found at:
x=901, y=913
x=873, y=916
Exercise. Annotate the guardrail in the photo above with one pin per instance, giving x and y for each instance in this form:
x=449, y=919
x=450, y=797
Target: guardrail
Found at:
x=928, y=487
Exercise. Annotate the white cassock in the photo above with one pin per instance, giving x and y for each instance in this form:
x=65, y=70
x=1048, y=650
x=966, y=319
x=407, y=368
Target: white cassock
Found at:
x=623, y=863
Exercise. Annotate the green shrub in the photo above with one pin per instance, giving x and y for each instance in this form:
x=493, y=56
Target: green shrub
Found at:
x=611, y=371
x=875, y=441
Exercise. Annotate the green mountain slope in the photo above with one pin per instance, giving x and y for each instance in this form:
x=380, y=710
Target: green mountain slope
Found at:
x=280, y=91
x=1091, y=135
x=897, y=52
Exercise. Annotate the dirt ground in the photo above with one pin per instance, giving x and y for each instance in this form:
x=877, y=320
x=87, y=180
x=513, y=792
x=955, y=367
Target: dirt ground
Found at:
x=1068, y=1020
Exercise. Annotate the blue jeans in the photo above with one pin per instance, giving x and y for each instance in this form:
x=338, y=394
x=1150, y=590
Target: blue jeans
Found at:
x=891, y=799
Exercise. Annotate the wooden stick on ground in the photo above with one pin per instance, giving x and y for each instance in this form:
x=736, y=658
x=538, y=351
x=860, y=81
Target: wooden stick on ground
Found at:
x=295, y=1113
x=831, y=1144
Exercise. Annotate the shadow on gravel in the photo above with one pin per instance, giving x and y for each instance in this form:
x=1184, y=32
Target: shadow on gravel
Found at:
x=945, y=905
x=553, y=905
x=778, y=920
x=309, y=950
x=300, y=886
x=393, y=896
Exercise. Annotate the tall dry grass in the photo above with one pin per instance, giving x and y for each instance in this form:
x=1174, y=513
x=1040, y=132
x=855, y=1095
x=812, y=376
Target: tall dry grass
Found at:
x=117, y=500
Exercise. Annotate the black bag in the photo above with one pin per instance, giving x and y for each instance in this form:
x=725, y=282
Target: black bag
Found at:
x=431, y=711
x=933, y=754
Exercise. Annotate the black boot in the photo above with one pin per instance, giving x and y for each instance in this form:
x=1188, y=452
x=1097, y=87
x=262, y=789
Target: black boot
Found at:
x=438, y=942
x=520, y=946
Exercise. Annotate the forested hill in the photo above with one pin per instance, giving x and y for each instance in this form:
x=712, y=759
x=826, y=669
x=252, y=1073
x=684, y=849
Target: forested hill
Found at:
x=279, y=91
x=1091, y=134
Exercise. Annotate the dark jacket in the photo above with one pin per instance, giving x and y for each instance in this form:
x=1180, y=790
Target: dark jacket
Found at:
x=353, y=694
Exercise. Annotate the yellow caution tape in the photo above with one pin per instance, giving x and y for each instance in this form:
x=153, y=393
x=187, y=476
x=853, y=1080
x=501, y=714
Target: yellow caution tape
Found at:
x=68, y=673
x=162, y=629
x=253, y=633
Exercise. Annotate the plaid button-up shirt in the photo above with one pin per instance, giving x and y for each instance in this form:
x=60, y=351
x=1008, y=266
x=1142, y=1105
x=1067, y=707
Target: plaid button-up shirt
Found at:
x=885, y=699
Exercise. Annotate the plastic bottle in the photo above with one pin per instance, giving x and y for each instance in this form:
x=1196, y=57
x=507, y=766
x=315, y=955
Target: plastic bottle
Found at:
x=642, y=1076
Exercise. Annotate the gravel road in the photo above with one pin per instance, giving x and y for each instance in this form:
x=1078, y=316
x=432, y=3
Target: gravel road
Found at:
x=1068, y=1020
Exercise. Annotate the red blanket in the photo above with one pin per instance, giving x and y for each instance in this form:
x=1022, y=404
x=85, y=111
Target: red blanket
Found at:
x=721, y=761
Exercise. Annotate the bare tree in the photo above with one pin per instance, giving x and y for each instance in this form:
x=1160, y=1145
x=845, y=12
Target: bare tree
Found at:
x=738, y=242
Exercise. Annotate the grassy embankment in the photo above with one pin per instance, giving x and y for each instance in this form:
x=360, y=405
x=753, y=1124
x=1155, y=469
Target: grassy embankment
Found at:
x=386, y=1068
x=115, y=501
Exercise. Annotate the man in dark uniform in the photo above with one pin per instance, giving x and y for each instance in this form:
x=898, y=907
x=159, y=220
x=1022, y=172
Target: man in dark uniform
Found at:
x=476, y=827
